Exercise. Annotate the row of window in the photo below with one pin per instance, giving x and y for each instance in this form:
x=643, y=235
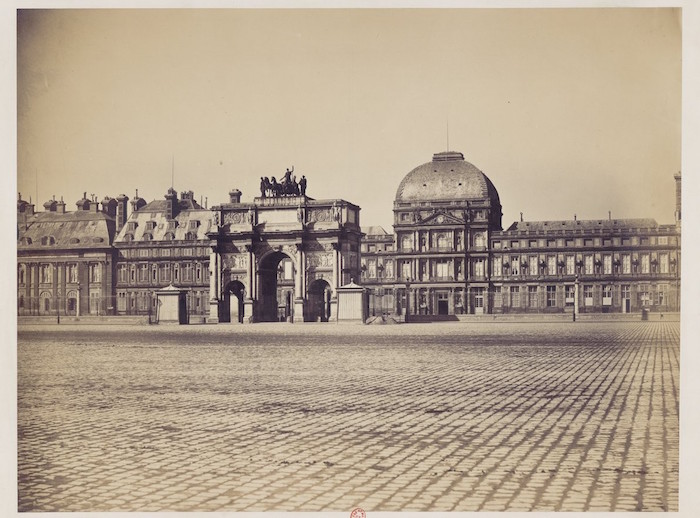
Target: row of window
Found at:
x=201, y=251
x=46, y=273
x=162, y=273
x=588, y=265
x=168, y=236
x=589, y=295
x=585, y=242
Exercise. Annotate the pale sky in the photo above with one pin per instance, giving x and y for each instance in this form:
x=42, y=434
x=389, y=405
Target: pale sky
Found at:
x=565, y=110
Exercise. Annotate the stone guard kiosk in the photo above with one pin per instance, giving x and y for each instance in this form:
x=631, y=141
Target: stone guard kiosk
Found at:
x=351, y=304
x=172, y=306
x=281, y=258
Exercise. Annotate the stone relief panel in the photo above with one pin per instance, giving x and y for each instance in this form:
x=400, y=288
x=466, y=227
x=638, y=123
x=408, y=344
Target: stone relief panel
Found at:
x=319, y=260
x=235, y=218
x=321, y=215
x=236, y=261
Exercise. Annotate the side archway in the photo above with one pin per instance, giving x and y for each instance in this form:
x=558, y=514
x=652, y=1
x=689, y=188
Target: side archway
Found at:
x=234, y=309
x=319, y=301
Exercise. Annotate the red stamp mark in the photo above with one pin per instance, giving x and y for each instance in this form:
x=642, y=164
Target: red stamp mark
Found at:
x=358, y=512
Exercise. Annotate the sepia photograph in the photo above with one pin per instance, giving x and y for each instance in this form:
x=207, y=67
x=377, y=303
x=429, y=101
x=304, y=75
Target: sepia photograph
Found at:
x=351, y=261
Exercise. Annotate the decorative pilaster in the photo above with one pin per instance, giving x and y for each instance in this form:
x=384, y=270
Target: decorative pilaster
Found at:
x=251, y=293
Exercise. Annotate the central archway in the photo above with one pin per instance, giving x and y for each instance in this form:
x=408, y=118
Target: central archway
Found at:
x=276, y=273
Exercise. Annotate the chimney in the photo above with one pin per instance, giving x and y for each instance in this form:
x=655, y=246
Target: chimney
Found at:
x=235, y=196
x=50, y=206
x=83, y=204
x=61, y=206
x=137, y=202
x=121, y=211
x=171, y=205
x=109, y=206
x=677, y=213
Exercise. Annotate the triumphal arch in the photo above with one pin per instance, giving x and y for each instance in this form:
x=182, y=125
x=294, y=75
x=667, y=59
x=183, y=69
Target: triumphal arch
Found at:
x=282, y=257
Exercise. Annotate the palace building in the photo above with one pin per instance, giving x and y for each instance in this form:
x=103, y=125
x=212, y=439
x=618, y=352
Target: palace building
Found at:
x=65, y=260
x=285, y=256
x=449, y=255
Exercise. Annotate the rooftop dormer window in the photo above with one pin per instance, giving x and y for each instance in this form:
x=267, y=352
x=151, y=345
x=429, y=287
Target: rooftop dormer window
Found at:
x=150, y=226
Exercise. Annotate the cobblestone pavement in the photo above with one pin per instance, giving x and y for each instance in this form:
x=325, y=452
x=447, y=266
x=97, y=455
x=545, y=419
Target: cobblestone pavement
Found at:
x=430, y=417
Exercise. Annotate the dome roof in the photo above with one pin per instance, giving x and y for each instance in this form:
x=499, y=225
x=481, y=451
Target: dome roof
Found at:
x=447, y=177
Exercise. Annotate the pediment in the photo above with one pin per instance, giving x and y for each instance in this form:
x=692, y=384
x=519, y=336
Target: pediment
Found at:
x=442, y=218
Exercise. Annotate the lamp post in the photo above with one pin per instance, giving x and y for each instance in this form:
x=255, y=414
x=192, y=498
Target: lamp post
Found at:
x=575, y=298
x=380, y=289
x=408, y=298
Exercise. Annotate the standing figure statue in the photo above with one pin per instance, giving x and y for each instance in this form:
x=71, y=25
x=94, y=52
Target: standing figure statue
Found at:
x=288, y=176
x=263, y=187
x=302, y=185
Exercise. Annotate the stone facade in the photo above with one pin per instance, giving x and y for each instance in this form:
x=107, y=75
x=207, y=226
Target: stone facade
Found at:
x=449, y=255
x=164, y=243
x=282, y=258
x=65, y=260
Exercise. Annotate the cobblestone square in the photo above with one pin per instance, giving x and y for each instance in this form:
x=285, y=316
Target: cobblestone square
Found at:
x=278, y=417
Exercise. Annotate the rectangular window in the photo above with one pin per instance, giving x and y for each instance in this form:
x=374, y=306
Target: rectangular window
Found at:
x=551, y=265
x=532, y=296
x=663, y=263
x=570, y=265
x=644, y=299
x=607, y=295
x=663, y=240
x=588, y=295
x=607, y=264
x=372, y=269
x=442, y=269
x=661, y=294
x=497, y=266
x=406, y=270
x=515, y=296
x=479, y=268
x=497, y=297
x=515, y=244
x=514, y=265
x=645, y=263
x=569, y=294
x=532, y=243
x=551, y=296
x=532, y=265
x=626, y=291
x=121, y=302
x=588, y=264
x=165, y=273
x=143, y=273
x=626, y=264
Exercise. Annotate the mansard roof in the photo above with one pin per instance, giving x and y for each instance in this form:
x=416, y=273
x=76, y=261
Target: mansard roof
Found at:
x=151, y=224
x=71, y=230
x=578, y=224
